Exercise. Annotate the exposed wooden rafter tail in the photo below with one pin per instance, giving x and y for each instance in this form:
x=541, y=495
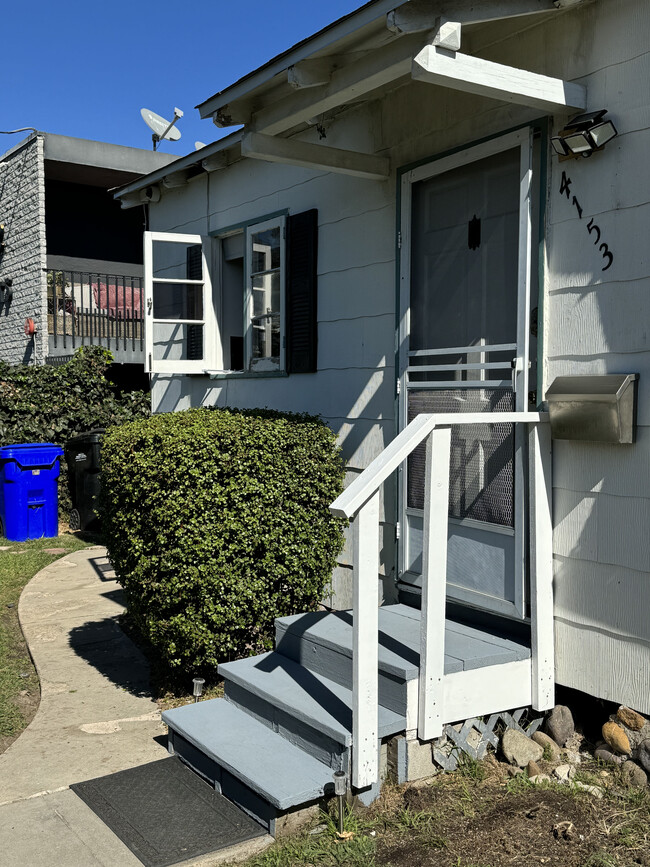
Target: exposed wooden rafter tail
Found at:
x=506, y=83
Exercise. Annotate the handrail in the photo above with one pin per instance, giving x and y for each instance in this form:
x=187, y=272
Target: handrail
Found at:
x=364, y=486
x=360, y=501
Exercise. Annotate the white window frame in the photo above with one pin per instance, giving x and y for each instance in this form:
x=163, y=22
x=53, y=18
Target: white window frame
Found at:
x=212, y=350
x=262, y=365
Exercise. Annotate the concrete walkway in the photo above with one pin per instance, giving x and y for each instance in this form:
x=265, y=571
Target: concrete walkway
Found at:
x=95, y=718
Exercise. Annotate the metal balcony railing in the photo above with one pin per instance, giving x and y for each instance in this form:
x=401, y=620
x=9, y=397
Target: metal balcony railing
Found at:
x=85, y=308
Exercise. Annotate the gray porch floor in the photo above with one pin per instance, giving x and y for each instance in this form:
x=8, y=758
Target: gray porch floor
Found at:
x=466, y=647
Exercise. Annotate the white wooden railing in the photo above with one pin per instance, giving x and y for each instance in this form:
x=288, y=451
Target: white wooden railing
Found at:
x=360, y=503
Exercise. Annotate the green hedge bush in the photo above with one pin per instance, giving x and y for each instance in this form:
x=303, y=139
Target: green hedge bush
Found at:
x=52, y=404
x=217, y=522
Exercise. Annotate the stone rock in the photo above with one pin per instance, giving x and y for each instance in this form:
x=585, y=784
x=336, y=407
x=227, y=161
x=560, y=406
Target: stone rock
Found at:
x=559, y=724
x=564, y=772
x=547, y=742
x=514, y=771
x=533, y=769
x=573, y=757
x=519, y=749
x=635, y=775
x=631, y=718
x=539, y=778
x=642, y=755
x=616, y=738
x=634, y=737
x=596, y=791
x=606, y=755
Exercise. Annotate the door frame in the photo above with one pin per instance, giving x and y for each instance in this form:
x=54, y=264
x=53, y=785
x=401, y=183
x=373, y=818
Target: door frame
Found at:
x=523, y=140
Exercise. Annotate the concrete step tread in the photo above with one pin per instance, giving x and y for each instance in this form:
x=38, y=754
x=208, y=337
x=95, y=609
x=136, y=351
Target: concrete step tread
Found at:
x=312, y=698
x=466, y=647
x=264, y=761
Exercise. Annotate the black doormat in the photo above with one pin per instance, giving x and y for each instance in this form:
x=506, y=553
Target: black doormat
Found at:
x=165, y=813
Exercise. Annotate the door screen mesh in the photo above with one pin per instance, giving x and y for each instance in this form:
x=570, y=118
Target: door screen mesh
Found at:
x=481, y=484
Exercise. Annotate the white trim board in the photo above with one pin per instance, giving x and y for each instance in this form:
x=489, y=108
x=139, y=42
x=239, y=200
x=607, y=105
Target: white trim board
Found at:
x=483, y=691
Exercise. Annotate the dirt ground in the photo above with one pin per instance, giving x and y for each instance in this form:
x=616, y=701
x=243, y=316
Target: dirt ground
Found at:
x=456, y=822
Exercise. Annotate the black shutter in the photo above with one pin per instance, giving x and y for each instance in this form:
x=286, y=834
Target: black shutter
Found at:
x=301, y=296
x=194, y=271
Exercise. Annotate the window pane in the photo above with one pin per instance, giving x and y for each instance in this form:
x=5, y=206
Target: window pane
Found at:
x=177, y=301
x=266, y=294
x=174, y=261
x=266, y=337
x=265, y=253
x=175, y=342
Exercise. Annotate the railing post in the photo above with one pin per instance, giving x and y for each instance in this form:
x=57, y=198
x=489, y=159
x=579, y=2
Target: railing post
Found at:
x=541, y=568
x=434, y=584
x=365, y=648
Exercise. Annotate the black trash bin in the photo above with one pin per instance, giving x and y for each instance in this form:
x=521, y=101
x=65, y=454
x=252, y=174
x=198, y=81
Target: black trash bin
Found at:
x=82, y=454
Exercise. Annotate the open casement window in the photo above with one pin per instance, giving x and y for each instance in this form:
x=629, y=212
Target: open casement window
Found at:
x=264, y=297
x=180, y=326
x=258, y=314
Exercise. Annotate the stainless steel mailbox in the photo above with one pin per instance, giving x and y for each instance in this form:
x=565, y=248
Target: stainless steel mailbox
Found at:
x=598, y=408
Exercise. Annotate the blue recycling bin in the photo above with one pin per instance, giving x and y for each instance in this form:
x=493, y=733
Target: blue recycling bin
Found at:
x=29, y=497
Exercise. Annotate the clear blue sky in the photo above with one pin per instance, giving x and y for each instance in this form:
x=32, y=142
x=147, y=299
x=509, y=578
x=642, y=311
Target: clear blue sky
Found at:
x=86, y=69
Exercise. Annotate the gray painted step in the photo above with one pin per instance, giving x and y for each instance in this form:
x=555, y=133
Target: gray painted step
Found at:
x=264, y=761
x=318, y=702
x=322, y=642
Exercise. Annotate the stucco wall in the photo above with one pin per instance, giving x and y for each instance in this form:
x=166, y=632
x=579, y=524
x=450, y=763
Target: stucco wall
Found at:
x=22, y=210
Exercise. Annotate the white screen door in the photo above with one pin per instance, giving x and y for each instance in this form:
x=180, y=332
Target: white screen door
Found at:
x=465, y=275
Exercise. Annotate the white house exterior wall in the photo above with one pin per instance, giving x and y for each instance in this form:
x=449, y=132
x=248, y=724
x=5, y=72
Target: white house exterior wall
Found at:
x=593, y=321
x=22, y=210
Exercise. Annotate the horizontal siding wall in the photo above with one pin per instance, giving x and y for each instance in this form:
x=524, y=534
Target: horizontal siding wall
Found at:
x=599, y=322
x=594, y=321
x=353, y=389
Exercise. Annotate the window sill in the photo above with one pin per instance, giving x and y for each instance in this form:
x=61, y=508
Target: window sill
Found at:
x=245, y=374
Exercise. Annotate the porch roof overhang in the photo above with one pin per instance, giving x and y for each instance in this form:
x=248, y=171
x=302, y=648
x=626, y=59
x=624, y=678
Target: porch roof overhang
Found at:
x=345, y=62
x=350, y=62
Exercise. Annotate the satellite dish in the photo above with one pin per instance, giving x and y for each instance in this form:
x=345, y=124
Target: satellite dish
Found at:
x=198, y=145
x=162, y=128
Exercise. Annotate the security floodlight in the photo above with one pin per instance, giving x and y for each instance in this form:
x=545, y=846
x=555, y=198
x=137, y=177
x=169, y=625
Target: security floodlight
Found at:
x=584, y=134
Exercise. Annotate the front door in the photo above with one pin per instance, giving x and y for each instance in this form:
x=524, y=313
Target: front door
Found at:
x=465, y=347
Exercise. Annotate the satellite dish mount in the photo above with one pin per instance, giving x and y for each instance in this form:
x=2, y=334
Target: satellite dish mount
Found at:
x=162, y=128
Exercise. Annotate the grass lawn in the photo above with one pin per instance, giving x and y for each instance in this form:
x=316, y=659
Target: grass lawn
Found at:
x=19, y=687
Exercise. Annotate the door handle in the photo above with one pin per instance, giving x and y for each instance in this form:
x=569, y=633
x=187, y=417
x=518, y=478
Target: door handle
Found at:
x=517, y=367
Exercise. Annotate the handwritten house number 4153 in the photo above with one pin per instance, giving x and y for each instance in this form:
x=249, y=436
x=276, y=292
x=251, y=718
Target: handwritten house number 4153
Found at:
x=565, y=188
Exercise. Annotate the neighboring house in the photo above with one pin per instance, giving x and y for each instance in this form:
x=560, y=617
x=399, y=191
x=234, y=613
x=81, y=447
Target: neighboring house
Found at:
x=392, y=235
x=71, y=258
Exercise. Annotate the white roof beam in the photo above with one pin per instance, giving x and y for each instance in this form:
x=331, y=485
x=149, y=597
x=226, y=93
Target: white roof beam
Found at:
x=420, y=15
x=314, y=156
x=232, y=115
x=506, y=83
x=447, y=34
x=309, y=73
x=178, y=179
x=345, y=85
